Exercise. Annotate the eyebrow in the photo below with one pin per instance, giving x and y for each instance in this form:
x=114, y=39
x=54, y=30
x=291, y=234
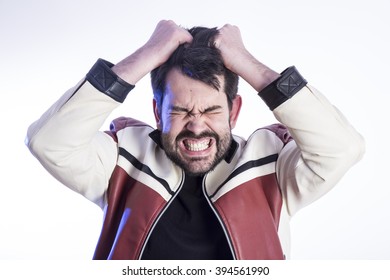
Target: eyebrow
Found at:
x=186, y=110
x=179, y=109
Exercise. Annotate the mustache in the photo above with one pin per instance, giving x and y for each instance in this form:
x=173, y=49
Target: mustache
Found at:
x=190, y=134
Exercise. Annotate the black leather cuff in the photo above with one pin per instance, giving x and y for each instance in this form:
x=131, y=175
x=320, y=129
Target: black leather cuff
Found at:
x=282, y=89
x=105, y=80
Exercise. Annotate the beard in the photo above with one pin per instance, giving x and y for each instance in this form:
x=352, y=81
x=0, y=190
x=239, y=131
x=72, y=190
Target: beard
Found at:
x=197, y=166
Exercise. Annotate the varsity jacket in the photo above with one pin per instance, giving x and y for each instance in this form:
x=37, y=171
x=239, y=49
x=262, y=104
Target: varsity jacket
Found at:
x=261, y=184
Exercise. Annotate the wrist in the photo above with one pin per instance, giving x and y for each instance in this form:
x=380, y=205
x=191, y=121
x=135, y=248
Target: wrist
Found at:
x=283, y=88
x=104, y=79
x=136, y=66
x=254, y=72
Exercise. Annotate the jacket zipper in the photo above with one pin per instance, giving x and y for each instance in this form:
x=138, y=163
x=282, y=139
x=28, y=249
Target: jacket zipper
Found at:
x=160, y=215
x=219, y=218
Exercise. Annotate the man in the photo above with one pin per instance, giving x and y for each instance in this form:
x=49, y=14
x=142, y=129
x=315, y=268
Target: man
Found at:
x=189, y=189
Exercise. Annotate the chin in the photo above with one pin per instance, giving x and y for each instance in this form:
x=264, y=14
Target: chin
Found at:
x=200, y=168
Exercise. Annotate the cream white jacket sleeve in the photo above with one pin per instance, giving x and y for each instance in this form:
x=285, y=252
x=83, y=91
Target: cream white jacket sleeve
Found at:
x=325, y=146
x=67, y=141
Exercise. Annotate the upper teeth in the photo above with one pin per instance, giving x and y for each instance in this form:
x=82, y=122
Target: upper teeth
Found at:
x=197, y=146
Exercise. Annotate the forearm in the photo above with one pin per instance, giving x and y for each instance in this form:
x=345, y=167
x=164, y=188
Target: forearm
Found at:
x=254, y=72
x=137, y=65
x=240, y=61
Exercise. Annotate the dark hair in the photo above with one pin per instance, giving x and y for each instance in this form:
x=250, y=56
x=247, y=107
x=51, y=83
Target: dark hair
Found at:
x=199, y=60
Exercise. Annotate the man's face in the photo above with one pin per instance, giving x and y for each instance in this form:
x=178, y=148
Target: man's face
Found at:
x=195, y=123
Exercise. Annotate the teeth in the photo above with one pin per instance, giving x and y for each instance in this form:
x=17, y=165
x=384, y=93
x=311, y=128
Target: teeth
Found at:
x=197, y=146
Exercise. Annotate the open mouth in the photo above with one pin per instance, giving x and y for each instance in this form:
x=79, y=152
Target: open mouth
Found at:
x=197, y=145
x=201, y=145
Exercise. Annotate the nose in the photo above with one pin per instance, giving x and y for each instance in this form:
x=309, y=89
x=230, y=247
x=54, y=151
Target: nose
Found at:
x=196, y=124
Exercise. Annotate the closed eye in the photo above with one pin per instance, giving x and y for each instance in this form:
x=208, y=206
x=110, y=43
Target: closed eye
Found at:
x=212, y=110
x=178, y=110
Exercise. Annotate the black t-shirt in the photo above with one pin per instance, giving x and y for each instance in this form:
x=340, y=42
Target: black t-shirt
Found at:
x=189, y=229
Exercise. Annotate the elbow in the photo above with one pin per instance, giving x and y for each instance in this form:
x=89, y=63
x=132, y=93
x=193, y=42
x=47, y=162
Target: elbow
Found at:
x=356, y=149
x=40, y=148
x=34, y=145
x=33, y=142
x=345, y=159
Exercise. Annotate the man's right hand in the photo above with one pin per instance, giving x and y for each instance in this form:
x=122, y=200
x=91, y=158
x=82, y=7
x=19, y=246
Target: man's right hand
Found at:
x=240, y=61
x=165, y=39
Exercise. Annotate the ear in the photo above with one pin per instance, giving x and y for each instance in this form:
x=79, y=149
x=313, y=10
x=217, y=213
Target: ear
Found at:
x=235, y=111
x=157, y=114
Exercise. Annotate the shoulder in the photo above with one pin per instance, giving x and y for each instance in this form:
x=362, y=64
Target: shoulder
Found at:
x=280, y=132
x=271, y=133
x=123, y=123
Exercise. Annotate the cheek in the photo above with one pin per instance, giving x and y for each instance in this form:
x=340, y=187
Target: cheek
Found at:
x=165, y=127
x=220, y=124
x=171, y=126
x=165, y=124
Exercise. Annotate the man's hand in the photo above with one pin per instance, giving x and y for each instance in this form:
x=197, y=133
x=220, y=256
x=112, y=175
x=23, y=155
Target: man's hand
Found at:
x=232, y=48
x=165, y=39
x=240, y=61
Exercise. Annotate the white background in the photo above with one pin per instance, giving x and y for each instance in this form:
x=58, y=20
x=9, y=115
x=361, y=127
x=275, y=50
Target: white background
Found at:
x=47, y=46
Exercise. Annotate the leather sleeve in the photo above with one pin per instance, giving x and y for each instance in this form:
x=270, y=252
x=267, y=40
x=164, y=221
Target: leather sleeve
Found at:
x=67, y=141
x=325, y=146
